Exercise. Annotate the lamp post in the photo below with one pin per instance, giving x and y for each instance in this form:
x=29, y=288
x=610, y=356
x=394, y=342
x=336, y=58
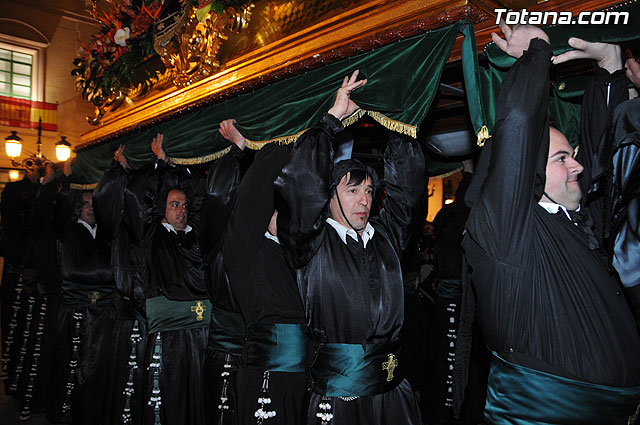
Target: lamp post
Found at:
x=13, y=147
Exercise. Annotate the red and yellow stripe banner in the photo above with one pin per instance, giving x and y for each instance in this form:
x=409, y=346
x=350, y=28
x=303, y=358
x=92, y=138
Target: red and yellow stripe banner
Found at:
x=26, y=113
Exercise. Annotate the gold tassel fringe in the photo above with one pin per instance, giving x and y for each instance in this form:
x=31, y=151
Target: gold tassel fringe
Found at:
x=89, y=186
x=200, y=159
x=284, y=140
x=382, y=119
x=483, y=135
x=359, y=113
x=393, y=125
x=445, y=175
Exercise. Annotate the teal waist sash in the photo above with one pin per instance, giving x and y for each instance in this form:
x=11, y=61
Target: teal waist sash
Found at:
x=343, y=370
x=164, y=314
x=86, y=295
x=520, y=395
x=228, y=332
x=277, y=347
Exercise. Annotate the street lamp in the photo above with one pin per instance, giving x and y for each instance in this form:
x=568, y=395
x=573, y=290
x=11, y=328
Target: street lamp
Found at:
x=13, y=147
x=63, y=149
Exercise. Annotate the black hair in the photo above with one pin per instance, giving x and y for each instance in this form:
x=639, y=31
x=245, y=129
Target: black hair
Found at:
x=358, y=172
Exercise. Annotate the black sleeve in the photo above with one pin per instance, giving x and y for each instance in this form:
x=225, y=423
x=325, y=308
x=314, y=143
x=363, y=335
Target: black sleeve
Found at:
x=501, y=220
x=66, y=210
x=221, y=187
x=303, y=187
x=141, y=204
x=603, y=94
x=108, y=200
x=253, y=211
x=404, y=183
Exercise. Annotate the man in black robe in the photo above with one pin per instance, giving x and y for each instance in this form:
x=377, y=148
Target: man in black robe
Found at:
x=623, y=230
x=349, y=270
x=449, y=226
x=18, y=274
x=272, y=375
x=227, y=331
x=82, y=334
x=565, y=348
x=176, y=304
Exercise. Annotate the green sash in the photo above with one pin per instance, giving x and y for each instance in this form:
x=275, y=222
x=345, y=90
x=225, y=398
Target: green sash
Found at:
x=342, y=370
x=227, y=332
x=86, y=295
x=277, y=347
x=520, y=395
x=164, y=314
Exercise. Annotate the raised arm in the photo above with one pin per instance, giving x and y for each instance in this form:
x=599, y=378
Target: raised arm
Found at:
x=404, y=183
x=221, y=188
x=253, y=210
x=303, y=184
x=108, y=197
x=606, y=89
x=515, y=178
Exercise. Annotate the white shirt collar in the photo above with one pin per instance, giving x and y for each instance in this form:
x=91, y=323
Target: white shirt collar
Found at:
x=170, y=228
x=270, y=236
x=343, y=231
x=91, y=230
x=553, y=208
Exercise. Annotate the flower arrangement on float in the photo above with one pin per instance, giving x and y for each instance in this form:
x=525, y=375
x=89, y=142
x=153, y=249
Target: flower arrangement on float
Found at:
x=121, y=55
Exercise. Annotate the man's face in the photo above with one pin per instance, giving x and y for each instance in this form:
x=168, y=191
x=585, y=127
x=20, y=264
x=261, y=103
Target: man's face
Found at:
x=175, y=212
x=562, y=173
x=86, y=214
x=356, y=202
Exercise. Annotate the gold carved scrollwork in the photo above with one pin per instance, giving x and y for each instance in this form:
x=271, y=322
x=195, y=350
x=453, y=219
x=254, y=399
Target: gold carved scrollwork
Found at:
x=111, y=103
x=190, y=55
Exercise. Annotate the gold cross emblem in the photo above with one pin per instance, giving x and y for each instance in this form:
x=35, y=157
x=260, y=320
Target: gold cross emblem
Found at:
x=94, y=296
x=198, y=309
x=389, y=366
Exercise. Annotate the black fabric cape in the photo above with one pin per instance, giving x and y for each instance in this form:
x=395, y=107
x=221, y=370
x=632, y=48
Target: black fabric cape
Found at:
x=545, y=300
x=264, y=285
x=351, y=295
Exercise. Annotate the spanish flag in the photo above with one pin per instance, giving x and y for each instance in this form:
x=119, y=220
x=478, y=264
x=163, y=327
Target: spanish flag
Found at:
x=26, y=113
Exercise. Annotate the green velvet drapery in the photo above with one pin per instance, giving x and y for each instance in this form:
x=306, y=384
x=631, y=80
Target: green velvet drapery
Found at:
x=566, y=96
x=403, y=78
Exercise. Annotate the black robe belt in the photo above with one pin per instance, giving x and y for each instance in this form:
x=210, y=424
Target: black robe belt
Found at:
x=347, y=370
x=227, y=332
x=164, y=314
x=277, y=347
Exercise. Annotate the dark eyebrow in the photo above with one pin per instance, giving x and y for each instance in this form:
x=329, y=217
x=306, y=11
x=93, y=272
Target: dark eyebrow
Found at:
x=559, y=153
